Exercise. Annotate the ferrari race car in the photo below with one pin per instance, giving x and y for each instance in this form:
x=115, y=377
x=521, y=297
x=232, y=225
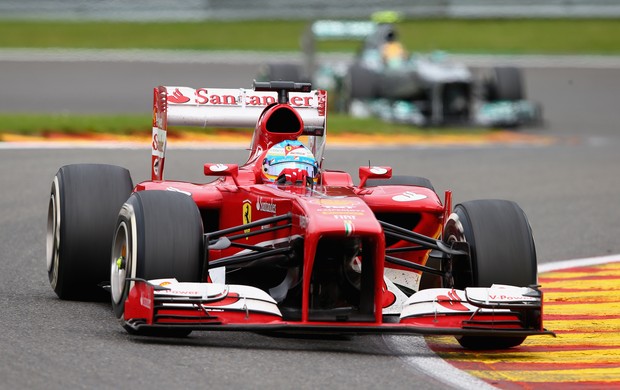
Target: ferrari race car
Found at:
x=283, y=244
x=420, y=89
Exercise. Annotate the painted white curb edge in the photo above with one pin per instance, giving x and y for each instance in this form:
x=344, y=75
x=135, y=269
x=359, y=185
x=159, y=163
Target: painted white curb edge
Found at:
x=565, y=264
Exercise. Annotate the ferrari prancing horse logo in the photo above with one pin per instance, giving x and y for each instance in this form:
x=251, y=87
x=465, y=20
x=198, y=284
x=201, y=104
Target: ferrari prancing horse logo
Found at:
x=247, y=214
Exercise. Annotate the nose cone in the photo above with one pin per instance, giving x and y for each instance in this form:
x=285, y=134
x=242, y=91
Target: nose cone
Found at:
x=346, y=216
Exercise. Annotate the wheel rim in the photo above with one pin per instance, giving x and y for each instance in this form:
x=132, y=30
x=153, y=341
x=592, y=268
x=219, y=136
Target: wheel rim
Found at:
x=455, y=227
x=53, y=235
x=120, y=262
x=453, y=232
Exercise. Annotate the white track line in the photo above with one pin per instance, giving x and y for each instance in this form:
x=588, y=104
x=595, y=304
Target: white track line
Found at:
x=565, y=264
x=415, y=353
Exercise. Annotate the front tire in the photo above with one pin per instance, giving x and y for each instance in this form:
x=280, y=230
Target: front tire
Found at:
x=505, y=83
x=158, y=235
x=83, y=206
x=502, y=251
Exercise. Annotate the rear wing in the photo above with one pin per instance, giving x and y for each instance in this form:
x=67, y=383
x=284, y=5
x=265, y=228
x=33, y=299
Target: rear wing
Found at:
x=331, y=30
x=227, y=107
x=341, y=29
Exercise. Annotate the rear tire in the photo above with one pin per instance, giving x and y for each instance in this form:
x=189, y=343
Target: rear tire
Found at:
x=158, y=235
x=84, y=203
x=399, y=85
x=502, y=251
x=359, y=83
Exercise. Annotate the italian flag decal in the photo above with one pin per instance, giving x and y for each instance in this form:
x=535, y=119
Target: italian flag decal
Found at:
x=349, y=228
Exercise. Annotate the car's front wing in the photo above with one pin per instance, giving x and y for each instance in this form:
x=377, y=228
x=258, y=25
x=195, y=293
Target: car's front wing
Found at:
x=501, y=311
x=487, y=114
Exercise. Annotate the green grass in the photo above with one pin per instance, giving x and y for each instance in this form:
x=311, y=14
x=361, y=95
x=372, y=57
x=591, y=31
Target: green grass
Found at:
x=557, y=36
x=45, y=124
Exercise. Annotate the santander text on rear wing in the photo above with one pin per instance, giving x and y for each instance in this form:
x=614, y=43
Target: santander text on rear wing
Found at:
x=223, y=107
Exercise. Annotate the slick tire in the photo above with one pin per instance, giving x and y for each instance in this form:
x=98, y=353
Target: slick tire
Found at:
x=83, y=206
x=399, y=85
x=502, y=251
x=505, y=83
x=500, y=242
x=159, y=234
x=360, y=83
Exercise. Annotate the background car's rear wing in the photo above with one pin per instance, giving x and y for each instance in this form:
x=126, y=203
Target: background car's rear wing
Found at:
x=331, y=30
x=226, y=107
x=341, y=29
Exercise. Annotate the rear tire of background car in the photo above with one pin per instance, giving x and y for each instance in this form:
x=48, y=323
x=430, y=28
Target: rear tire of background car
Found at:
x=502, y=252
x=159, y=234
x=359, y=84
x=505, y=83
x=399, y=85
x=83, y=207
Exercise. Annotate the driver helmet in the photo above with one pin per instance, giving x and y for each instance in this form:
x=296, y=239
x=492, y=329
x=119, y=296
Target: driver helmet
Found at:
x=287, y=161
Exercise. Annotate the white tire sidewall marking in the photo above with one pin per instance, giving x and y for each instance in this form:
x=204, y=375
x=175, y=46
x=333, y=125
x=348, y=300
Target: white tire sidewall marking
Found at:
x=52, y=255
x=129, y=214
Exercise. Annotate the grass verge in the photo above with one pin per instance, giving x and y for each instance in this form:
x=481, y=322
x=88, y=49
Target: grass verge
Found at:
x=47, y=124
x=523, y=36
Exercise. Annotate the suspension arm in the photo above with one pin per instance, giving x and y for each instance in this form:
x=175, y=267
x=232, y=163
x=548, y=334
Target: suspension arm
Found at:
x=417, y=238
x=415, y=266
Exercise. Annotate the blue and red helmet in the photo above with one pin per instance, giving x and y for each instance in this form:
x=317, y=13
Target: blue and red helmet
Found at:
x=289, y=158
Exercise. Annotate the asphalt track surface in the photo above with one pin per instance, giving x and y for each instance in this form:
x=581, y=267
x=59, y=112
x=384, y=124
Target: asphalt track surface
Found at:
x=569, y=190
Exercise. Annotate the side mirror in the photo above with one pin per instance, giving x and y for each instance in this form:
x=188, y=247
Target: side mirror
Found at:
x=217, y=169
x=366, y=173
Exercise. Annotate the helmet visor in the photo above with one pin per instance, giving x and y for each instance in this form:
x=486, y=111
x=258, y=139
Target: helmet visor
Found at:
x=273, y=171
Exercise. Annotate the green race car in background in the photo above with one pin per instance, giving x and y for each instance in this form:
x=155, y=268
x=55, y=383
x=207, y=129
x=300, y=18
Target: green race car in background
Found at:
x=383, y=80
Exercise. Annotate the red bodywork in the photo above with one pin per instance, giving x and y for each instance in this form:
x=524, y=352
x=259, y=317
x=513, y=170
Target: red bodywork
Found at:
x=316, y=221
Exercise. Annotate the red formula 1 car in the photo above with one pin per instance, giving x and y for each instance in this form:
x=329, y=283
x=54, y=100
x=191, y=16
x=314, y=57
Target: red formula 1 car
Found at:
x=283, y=244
